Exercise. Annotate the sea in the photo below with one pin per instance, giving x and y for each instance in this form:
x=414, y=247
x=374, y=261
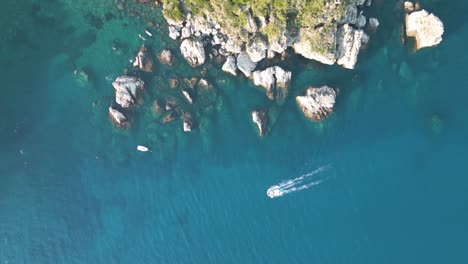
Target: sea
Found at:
x=74, y=189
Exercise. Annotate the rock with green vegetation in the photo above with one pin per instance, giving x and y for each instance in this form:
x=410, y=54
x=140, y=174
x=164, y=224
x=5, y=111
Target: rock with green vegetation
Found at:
x=324, y=30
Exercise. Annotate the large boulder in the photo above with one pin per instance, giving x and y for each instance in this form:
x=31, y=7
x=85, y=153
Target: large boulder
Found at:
x=260, y=118
x=230, y=65
x=373, y=23
x=317, y=103
x=193, y=52
x=349, y=42
x=117, y=117
x=165, y=57
x=144, y=60
x=245, y=64
x=275, y=80
x=426, y=28
x=174, y=31
x=127, y=89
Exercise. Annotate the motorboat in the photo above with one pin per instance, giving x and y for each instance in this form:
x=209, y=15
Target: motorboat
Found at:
x=142, y=148
x=274, y=191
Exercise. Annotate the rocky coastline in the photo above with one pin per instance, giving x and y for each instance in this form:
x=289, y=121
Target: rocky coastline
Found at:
x=245, y=38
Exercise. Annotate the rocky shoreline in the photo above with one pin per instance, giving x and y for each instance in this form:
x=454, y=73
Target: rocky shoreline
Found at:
x=334, y=34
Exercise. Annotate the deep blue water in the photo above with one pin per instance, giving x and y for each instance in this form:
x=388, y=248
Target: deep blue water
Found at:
x=73, y=189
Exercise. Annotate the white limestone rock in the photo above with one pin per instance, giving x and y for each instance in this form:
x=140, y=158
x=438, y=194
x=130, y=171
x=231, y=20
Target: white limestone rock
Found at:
x=361, y=21
x=187, y=122
x=409, y=6
x=317, y=103
x=275, y=80
x=187, y=96
x=230, y=65
x=186, y=32
x=232, y=46
x=349, y=42
x=260, y=118
x=193, y=52
x=166, y=57
x=426, y=28
x=126, y=90
x=174, y=32
x=117, y=117
x=245, y=64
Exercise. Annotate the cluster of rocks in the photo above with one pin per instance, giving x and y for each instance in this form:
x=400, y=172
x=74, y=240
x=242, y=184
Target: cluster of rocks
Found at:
x=425, y=27
x=127, y=90
x=316, y=104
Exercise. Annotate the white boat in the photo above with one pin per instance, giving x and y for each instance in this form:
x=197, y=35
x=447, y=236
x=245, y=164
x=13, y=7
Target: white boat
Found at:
x=142, y=148
x=148, y=33
x=274, y=191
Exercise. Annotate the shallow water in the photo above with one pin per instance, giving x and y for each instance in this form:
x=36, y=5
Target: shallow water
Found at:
x=73, y=189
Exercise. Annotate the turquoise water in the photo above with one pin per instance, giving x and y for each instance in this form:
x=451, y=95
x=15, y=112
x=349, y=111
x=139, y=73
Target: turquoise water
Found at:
x=73, y=189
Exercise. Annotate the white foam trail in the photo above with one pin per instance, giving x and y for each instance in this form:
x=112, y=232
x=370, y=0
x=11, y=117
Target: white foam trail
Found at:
x=302, y=182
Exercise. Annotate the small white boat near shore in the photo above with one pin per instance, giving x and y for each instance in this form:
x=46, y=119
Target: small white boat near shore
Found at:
x=142, y=148
x=148, y=33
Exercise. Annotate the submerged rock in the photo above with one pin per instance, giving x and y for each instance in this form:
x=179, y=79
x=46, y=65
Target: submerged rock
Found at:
x=193, y=52
x=166, y=57
x=191, y=82
x=171, y=103
x=144, y=60
x=82, y=78
x=317, y=103
x=157, y=107
x=230, y=65
x=275, y=80
x=169, y=117
x=117, y=117
x=260, y=118
x=426, y=28
x=173, y=83
x=126, y=90
x=437, y=124
x=245, y=64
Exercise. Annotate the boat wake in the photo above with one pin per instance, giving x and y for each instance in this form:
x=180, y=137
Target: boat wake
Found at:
x=302, y=182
